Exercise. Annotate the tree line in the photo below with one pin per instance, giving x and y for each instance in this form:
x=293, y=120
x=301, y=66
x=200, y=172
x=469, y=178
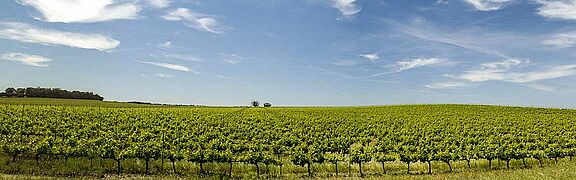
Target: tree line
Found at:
x=39, y=92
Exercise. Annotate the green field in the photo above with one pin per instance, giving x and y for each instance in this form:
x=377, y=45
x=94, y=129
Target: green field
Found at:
x=42, y=139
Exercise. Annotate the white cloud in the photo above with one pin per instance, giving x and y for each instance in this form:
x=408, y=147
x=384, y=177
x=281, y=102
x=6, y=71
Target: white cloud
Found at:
x=232, y=58
x=27, y=59
x=415, y=63
x=563, y=40
x=348, y=8
x=502, y=71
x=408, y=64
x=551, y=73
x=83, y=11
x=488, y=5
x=30, y=34
x=195, y=20
x=506, y=64
x=159, y=3
x=489, y=71
x=370, y=57
x=175, y=67
x=505, y=71
x=557, y=9
x=166, y=45
x=159, y=75
x=446, y=85
x=183, y=57
x=480, y=75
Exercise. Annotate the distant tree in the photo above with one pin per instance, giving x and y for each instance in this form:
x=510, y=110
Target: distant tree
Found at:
x=20, y=92
x=10, y=91
x=267, y=105
x=50, y=93
x=255, y=103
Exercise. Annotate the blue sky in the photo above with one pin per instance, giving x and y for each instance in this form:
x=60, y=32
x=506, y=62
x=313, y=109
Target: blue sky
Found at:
x=295, y=52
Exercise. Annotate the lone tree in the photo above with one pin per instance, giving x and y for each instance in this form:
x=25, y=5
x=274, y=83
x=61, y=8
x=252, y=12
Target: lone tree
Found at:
x=255, y=103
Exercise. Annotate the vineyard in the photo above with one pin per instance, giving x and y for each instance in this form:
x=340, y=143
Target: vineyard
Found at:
x=69, y=102
x=273, y=142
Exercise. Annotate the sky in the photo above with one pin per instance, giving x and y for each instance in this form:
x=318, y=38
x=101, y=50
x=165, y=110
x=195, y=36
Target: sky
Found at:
x=295, y=52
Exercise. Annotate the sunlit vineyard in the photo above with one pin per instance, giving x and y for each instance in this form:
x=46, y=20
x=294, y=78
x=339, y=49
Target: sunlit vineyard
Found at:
x=341, y=138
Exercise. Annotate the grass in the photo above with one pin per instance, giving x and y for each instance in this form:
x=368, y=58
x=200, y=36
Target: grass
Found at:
x=52, y=167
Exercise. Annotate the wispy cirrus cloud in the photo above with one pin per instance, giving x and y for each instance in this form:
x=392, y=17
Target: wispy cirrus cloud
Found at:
x=195, y=20
x=557, y=9
x=158, y=75
x=552, y=72
x=406, y=65
x=461, y=40
x=415, y=63
x=347, y=8
x=30, y=34
x=370, y=57
x=488, y=5
x=83, y=11
x=166, y=45
x=562, y=40
x=504, y=71
x=447, y=85
x=183, y=57
x=231, y=58
x=174, y=67
x=26, y=59
x=508, y=71
x=541, y=87
x=488, y=71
